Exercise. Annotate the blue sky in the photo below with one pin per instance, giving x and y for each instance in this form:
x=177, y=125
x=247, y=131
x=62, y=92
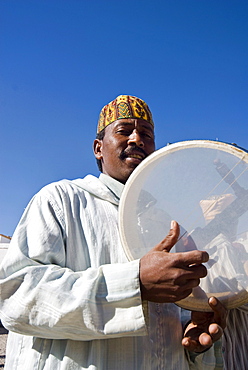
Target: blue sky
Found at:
x=62, y=60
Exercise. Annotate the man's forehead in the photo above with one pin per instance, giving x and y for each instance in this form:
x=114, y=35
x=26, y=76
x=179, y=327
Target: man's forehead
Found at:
x=133, y=122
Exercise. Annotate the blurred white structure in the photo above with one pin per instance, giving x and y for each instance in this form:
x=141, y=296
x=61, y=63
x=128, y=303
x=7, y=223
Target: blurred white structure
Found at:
x=4, y=244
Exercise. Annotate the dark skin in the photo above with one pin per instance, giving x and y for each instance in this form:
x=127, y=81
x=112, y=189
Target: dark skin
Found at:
x=125, y=144
x=169, y=277
x=164, y=277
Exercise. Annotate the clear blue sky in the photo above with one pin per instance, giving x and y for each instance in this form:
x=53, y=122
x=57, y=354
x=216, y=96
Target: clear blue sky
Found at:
x=62, y=60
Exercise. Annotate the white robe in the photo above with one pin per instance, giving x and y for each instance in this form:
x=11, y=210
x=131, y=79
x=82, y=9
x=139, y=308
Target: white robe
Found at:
x=70, y=297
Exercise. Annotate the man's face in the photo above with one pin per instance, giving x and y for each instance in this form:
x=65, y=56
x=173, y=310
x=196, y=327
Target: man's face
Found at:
x=125, y=144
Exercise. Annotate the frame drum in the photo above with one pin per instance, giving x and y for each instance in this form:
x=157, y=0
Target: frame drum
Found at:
x=203, y=185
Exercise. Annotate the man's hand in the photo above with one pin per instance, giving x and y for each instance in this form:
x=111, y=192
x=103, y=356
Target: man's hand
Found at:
x=205, y=327
x=170, y=277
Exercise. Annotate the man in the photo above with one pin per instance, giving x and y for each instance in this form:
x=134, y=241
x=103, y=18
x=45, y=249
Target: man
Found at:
x=70, y=297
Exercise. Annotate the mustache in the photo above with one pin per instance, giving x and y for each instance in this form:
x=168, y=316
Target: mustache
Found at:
x=125, y=153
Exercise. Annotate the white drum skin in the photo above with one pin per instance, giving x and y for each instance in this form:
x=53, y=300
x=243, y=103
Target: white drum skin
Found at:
x=203, y=185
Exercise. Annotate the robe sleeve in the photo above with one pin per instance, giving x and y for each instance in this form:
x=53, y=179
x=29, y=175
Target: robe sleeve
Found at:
x=42, y=297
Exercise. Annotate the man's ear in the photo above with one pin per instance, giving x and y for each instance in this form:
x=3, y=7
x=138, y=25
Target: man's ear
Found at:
x=97, y=147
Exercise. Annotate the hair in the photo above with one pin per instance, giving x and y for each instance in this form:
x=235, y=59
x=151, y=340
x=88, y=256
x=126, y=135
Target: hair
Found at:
x=100, y=136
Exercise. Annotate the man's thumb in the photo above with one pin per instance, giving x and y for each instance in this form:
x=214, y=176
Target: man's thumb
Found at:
x=170, y=240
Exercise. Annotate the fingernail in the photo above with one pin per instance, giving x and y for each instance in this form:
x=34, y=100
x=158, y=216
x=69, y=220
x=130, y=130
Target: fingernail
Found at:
x=213, y=301
x=173, y=224
x=205, y=257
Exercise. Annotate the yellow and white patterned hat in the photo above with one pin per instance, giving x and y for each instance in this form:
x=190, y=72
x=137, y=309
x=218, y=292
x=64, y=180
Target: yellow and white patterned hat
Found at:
x=124, y=106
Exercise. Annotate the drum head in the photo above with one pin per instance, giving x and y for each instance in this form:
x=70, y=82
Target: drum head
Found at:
x=203, y=185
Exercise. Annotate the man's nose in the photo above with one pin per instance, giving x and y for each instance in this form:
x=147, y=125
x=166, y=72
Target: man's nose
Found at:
x=135, y=138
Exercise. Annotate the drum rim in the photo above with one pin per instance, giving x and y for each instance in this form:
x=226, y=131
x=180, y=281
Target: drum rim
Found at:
x=226, y=147
x=229, y=148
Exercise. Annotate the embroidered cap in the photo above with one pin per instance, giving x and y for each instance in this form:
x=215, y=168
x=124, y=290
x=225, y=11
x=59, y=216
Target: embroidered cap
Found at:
x=124, y=106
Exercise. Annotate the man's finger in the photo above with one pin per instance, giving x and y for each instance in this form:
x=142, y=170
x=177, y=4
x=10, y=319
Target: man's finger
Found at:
x=215, y=331
x=204, y=342
x=220, y=312
x=194, y=257
x=170, y=240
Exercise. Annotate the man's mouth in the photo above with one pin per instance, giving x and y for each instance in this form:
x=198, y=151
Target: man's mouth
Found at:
x=138, y=156
x=138, y=153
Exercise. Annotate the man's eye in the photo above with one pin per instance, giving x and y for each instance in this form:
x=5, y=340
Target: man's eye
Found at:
x=123, y=132
x=148, y=135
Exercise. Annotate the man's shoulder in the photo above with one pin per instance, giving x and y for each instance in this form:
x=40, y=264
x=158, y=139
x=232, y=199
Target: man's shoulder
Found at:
x=66, y=185
x=66, y=190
